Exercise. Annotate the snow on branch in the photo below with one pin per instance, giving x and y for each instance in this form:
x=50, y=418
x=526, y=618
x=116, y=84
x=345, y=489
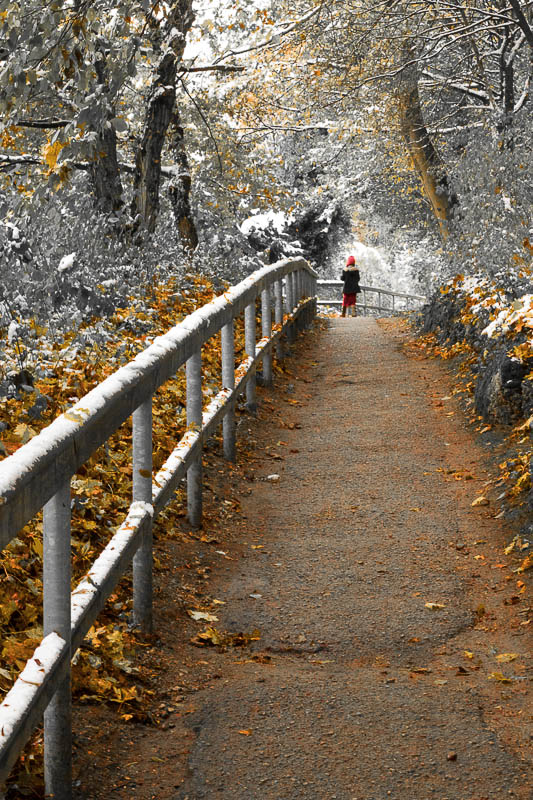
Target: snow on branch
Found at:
x=273, y=40
x=214, y=67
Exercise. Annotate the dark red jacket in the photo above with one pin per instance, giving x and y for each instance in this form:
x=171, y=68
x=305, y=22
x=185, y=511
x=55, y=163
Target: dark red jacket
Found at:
x=351, y=279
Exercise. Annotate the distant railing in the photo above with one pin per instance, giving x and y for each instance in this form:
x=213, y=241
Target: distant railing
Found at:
x=38, y=477
x=397, y=302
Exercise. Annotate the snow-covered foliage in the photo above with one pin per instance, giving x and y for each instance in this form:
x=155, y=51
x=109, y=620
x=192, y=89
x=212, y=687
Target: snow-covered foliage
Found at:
x=286, y=119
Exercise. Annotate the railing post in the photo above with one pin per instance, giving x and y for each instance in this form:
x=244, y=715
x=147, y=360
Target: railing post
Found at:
x=290, y=302
x=298, y=277
x=379, y=303
x=278, y=314
x=250, y=345
x=314, y=293
x=56, y=617
x=266, y=333
x=228, y=382
x=311, y=294
x=393, y=303
x=193, y=370
x=142, y=491
x=288, y=294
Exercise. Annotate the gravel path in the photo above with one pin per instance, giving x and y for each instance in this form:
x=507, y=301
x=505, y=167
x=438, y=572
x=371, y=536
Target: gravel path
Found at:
x=356, y=688
x=357, y=537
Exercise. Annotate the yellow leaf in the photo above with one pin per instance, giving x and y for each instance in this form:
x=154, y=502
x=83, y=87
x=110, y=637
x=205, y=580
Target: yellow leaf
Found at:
x=208, y=637
x=527, y=563
x=504, y=658
x=51, y=152
x=498, y=676
x=246, y=733
x=435, y=606
x=468, y=654
x=37, y=547
x=24, y=433
x=510, y=547
x=480, y=501
x=527, y=424
x=200, y=616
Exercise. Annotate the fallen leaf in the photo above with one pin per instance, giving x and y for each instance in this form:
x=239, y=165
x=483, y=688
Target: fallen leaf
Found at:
x=498, y=676
x=435, y=606
x=527, y=563
x=480, y=501
x=202, y=616
x=245, y=733
x=24, y=433
x=208, y=637
x=468, y=654
x=511, y=546
x=504, y=658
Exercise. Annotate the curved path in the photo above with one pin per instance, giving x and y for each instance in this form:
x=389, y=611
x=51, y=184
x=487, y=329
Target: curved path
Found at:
x=379, y=596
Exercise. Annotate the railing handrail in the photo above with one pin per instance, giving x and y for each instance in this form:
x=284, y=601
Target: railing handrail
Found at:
x=38, y=475
x=78, y=432
x=389, y=292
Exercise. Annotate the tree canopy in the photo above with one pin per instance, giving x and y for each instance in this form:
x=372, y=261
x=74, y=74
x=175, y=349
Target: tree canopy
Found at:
x=176, y=121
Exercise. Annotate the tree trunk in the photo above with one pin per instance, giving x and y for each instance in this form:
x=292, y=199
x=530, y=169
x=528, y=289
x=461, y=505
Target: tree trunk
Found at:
x=180, y=186
x=147, y=179
x=160, y=106
x=426, y=160
x=105, y=174
x=507, y=79
x=104, y=170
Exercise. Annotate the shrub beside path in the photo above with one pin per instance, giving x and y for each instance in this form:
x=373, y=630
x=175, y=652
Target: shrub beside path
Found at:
x=390, y=655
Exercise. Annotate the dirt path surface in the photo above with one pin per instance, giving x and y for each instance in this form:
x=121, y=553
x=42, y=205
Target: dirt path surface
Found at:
x=352, y=687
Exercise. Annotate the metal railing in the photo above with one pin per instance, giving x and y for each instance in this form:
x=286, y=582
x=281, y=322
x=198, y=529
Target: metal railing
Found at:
x=38, y=477
x=397, y=302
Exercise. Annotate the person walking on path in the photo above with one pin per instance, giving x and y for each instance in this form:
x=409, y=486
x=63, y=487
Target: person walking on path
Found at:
x=350, y=276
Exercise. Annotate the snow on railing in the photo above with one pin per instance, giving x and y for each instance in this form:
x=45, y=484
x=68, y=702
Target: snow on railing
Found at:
x=399, y=301
x=38, y=477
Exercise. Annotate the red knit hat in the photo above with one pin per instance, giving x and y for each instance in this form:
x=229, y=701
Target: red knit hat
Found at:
x=350, y=260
